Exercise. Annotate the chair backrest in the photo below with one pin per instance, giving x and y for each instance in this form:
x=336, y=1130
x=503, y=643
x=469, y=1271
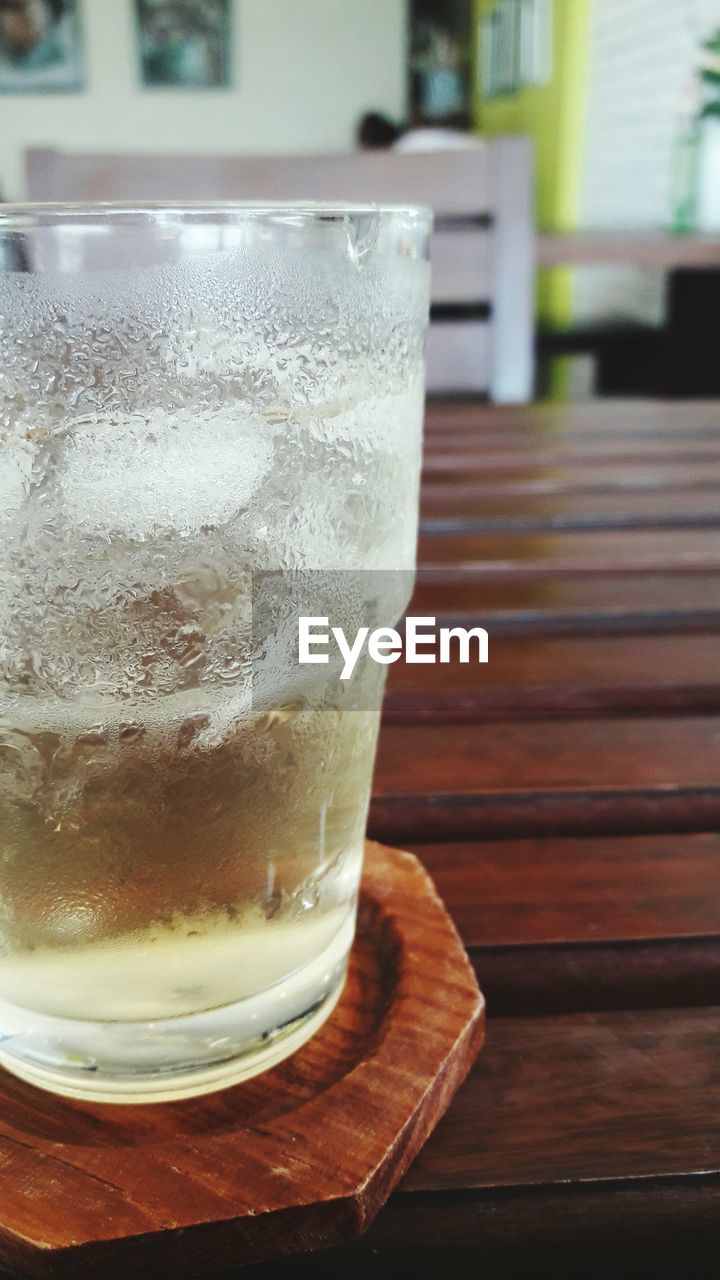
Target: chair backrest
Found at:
x=481, y=338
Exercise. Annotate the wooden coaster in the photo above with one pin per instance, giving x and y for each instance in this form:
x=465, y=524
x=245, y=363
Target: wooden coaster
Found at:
x=297, y=1159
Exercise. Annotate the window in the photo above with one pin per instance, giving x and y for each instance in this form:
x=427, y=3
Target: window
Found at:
x=515, y=46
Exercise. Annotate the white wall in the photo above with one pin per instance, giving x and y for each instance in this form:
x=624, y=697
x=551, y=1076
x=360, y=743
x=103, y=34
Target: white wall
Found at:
x=642, y=55
x=305, y=70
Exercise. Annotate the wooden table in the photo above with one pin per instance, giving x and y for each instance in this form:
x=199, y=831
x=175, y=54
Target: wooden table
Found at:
x=566, y=798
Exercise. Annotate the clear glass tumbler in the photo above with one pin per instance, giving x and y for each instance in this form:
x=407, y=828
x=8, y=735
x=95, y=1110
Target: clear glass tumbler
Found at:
x=210, y=421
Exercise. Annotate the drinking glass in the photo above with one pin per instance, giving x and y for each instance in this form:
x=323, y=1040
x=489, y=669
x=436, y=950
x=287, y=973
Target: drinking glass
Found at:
x=210, y=424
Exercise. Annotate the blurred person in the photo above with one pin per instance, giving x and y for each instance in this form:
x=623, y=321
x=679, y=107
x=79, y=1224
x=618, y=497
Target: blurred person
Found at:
x=436, y=138
x=378, y=132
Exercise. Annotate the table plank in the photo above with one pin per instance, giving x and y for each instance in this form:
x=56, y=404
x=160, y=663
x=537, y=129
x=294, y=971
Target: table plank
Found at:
x=528, y=661
x=544, y=892
x=614, y=415
x=541, y=678
x=519, y=432
x=569, y=605
x=602, y=551
x=465, y=509
x=587, y=476
x=630, y=1094
x=538, y=424
x=577, y=925
x=562, y=479
x=580, y=978
x=452, y=782
x=547, y=755
x=440, y=456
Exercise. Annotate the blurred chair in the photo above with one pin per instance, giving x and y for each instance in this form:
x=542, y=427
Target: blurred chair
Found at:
x=481, y=335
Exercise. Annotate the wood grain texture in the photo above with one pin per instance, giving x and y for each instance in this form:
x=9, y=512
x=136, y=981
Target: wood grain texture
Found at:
x=453, y=459
x=544, y=892
x=620, y=417
x=594, y=924
x=542, y=678
x=613, y=419
x=631, y=1094
x=556, y=423
x=533, y=481
x=527, y=661
x=595, y=977
x=435, y=782
x=521, y=432
x=468, y=508
x=594, y=477
x=544, y=756
x=296, y=1159
x=460, y=589
x=515, y=814
x=571, y=605
x=556, y=551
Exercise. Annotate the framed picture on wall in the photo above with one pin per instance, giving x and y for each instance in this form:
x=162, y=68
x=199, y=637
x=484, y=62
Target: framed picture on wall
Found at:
x=440, y=62
x=184, y=44
x=41, y=46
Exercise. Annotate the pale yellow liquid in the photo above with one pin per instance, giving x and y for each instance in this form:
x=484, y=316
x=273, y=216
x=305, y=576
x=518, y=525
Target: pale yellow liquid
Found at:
x=157, y=864
x=167, y=972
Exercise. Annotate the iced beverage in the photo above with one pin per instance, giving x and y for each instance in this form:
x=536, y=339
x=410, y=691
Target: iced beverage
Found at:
x=209, y=422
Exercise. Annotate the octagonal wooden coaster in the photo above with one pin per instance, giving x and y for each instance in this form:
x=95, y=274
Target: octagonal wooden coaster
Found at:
x=297, y=1159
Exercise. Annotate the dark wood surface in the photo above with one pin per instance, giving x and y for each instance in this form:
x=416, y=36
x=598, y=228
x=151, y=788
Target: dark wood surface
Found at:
x=297, y=1159
x=554, y=551
x=566, y=799
x=546, y=677
x=511, y=511
x=606, y=604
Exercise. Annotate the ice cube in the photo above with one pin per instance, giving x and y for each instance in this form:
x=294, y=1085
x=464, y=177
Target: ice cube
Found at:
x=180, y=471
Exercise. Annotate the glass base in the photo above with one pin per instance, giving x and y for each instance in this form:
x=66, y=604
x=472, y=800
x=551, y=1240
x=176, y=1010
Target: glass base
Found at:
x=173, y=1058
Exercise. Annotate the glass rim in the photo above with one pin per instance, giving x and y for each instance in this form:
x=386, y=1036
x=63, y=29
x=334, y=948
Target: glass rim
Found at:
x=144, y=212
